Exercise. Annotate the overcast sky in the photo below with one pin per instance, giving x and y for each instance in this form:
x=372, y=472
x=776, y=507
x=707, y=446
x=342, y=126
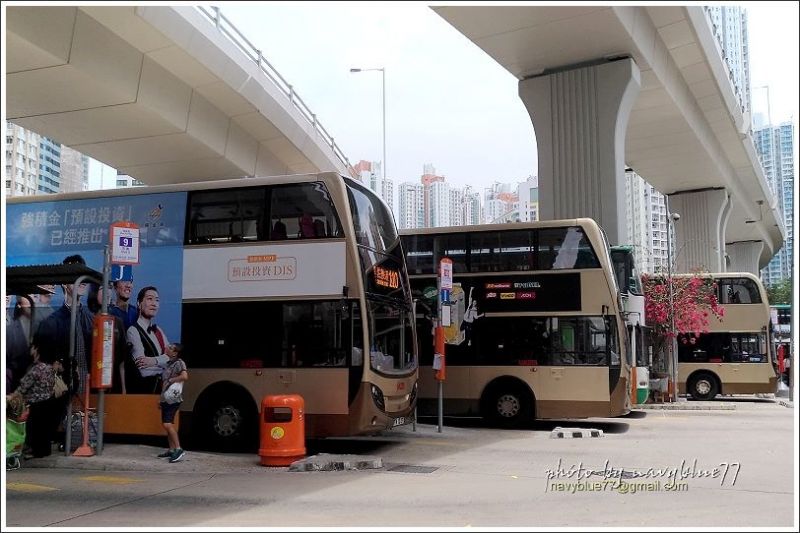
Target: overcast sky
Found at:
x=447, y=102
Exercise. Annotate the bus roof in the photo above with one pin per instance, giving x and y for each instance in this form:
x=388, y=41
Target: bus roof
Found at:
x=499, y=227
x=177, y=187
x=717, y=275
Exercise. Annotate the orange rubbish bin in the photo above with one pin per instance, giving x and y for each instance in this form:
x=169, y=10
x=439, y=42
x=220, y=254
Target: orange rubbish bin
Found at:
x=283, y=431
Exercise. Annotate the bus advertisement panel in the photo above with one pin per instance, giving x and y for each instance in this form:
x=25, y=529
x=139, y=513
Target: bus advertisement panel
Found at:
x=47, y=232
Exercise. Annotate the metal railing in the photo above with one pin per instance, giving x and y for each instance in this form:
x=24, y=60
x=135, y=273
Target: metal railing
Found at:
x=226, y=28
x=731, y=77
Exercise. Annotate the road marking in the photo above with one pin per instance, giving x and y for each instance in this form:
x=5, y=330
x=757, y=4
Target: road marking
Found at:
x=28, y=487
x=112, y=479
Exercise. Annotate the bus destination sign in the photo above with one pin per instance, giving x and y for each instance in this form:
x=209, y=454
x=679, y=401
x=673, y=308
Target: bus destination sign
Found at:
x=387, y=277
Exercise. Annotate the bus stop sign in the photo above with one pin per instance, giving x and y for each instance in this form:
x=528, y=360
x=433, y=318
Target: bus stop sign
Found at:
x=446, y=274
x=124, y=243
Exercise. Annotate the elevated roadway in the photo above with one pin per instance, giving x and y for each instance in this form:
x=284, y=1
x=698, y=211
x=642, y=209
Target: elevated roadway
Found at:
x=164, y=94
x=679, y=121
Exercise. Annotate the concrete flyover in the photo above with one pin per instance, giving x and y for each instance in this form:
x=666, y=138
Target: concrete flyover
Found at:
x=164, y=94
x=644, y=87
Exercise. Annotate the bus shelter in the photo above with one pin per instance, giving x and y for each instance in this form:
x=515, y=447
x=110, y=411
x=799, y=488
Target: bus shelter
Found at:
x=24, y=281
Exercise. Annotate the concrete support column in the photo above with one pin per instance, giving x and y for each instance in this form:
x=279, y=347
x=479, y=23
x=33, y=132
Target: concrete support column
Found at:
x=580, y=114
x=700, y=232
x=744, y=256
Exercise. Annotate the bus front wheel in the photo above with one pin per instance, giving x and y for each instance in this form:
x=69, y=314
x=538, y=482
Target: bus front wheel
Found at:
x=508, y=405
x=703, y=386
x=229, y=423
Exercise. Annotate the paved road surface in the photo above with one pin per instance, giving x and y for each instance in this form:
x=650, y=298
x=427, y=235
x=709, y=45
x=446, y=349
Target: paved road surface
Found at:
x=475, y=476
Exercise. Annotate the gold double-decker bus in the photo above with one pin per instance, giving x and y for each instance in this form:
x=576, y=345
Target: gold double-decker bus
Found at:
x=273, y=285
x=536, y=326
x=736, y=355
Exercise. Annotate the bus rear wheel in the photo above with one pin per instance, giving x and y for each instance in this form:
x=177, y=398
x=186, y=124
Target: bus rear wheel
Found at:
x=508, y=405
x=703, y=386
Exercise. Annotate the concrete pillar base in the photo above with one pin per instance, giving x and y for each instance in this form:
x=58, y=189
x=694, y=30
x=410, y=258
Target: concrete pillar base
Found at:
x=699, y=234
x=744, y=256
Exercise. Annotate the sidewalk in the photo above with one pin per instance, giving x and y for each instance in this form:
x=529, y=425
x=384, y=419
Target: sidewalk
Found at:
x=142, y=458
x=325, y=452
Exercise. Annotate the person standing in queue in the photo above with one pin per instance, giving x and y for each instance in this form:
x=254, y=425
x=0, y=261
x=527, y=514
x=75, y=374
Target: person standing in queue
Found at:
x=54, y=333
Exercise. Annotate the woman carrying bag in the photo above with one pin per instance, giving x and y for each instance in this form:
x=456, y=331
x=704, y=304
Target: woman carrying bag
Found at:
x=37, y=389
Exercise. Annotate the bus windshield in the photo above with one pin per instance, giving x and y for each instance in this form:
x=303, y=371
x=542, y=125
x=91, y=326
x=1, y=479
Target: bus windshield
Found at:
x=372, y=220
x=625, y=271
x=391, y=325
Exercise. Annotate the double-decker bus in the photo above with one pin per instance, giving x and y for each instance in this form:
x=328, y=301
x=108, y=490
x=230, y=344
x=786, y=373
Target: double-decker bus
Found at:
x=735, y=355
x=275, y=285
x=630, y=285
x=536, y=327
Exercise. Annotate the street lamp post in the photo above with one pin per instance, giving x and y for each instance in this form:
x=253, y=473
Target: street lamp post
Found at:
x=383, y=93
x=673, y=347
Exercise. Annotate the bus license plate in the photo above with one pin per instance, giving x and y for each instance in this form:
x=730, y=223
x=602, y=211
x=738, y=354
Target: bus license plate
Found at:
x=399, y=421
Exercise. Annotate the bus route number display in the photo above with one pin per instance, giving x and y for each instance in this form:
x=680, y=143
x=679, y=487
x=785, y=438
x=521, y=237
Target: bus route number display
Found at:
x=387, y=277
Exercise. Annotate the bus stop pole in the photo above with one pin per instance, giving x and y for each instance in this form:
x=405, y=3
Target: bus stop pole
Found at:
x=101, y=393
x=72, y=320
x=440, y=394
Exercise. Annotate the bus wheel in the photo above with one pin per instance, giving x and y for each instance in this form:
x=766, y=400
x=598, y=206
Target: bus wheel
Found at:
x=703, y=386
x=230, y=422
x=508, y=405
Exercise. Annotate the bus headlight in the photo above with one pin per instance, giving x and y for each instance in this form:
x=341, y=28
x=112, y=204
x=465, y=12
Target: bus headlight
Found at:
x=377, y=397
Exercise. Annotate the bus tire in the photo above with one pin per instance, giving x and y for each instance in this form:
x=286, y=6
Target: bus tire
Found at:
x=508, y=403
x=228, y=420
x=703, y=386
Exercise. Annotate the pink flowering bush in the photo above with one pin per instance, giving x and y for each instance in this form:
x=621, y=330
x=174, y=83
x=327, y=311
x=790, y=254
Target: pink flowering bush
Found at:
x=694, y=301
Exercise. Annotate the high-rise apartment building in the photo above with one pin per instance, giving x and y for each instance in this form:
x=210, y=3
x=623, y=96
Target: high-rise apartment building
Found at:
x=646, y=220
x=500, y=201
x=729, y=25
x=22, y=161
x=438, y=194
x=369, y=172
x=471, y=206
x=411, y=211
x=124, y=181
x=40, y=165
x=434, y=203
x=775, y=147
x=74, y=171
x=49, y=166
x=528, y=194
